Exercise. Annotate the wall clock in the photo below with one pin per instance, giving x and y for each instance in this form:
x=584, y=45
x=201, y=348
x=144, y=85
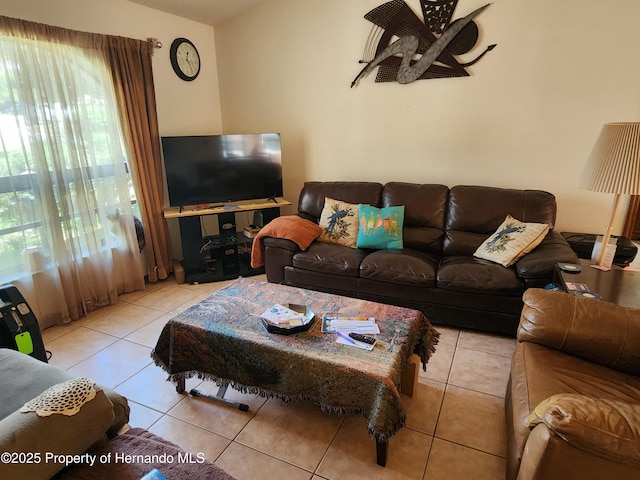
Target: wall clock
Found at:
x=185, y=59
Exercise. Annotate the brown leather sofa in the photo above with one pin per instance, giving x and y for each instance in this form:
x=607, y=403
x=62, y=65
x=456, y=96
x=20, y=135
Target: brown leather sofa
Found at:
x=436, y=271
x=573, y=399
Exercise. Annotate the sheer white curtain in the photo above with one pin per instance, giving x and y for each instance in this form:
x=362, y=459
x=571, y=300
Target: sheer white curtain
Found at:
x=67, y=235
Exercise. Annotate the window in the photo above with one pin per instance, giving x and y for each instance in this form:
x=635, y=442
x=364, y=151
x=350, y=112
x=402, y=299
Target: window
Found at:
x=65, y=187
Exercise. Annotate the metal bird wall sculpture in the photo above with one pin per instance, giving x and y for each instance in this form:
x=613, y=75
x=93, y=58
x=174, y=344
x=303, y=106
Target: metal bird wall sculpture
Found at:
x=397, y=59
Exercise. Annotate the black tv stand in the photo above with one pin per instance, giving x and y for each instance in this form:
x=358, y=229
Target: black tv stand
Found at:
x=224, y=256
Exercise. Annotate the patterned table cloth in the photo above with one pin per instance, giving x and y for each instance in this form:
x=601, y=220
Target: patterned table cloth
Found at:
x=222, y=339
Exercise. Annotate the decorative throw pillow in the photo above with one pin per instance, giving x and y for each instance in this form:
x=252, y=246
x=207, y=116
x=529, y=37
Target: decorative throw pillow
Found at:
x=380, y=227
x=512, y=240
x=339, y=222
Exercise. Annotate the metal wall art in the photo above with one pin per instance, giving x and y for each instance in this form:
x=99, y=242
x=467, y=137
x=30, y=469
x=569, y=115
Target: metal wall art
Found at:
x=423, y=49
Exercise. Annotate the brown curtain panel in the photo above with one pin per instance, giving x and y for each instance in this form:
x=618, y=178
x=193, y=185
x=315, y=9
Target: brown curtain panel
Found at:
x=131, y=68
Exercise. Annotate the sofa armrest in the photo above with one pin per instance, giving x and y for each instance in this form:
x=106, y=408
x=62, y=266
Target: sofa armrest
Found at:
x=37, y=438
x=606, y=428
x=540, y=263
x=595, y=330
x=278, y=253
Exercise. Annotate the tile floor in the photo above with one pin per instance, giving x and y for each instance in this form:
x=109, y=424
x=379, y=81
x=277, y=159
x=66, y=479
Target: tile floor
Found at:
x=455, y=427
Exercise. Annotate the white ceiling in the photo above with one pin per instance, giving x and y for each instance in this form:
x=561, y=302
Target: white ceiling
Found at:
x=210, y=12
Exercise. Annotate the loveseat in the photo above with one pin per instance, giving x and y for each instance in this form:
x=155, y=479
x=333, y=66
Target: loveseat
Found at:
x=573, y=398
x=436, y=271
x=29, y=437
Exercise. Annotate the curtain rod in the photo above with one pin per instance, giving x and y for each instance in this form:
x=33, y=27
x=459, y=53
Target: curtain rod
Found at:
x=155, y=42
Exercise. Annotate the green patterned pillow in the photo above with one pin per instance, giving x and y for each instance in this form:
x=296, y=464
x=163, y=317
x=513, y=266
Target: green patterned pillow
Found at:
x=380, y=227
x=512, y=240
x=339, y=222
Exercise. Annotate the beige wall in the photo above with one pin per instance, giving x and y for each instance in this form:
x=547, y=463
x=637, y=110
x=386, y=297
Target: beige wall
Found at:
x=526, y=118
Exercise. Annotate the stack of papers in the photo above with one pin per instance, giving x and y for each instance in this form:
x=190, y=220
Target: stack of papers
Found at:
x=347, y=325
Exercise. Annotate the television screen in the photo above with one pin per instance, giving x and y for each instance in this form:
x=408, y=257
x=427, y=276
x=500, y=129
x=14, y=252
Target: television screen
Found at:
x=211, y=169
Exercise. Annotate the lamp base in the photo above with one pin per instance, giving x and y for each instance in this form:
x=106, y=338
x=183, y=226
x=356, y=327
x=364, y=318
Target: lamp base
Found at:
x=601, y=268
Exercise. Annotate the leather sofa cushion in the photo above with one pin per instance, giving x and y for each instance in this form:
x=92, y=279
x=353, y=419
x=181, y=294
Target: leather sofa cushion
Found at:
x=404, y=267
x=476, y=212
x=312, y=195
x=607, y=428
x=598, y=331
x=538, y=372
x=425, y=207
x=473, y=275
x=330, y=258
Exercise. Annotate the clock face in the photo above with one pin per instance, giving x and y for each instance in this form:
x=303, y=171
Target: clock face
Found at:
x=185, y=59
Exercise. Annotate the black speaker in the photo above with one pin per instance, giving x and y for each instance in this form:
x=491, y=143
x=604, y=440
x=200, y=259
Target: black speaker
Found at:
x=258, y=220
x=19, y=328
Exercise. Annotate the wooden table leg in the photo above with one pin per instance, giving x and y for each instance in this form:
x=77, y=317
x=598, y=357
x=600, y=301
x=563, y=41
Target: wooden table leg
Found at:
x=382, y=448
x=180, y=384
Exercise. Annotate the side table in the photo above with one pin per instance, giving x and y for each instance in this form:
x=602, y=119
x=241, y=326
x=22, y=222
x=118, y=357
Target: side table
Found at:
x=616, y=286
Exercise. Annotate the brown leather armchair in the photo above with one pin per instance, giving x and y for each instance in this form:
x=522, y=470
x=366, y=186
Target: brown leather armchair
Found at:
x=573, y=399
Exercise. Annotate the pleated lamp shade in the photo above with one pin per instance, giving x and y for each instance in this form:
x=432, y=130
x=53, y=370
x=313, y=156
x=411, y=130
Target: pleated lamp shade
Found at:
x=614, y=164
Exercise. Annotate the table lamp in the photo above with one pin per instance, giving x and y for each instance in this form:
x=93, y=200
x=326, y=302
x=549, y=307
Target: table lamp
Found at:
x=614, y=167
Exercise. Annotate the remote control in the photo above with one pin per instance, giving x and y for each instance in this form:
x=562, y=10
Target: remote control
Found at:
x=363, y=338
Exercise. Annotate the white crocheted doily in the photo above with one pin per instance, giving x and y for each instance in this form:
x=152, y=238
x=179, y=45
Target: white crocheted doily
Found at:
x=65, y=398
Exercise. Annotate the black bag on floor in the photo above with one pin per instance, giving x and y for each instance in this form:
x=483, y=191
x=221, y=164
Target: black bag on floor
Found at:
x=19, y=328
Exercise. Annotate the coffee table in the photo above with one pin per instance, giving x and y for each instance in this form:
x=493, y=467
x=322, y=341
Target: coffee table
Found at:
x=616, y=285
x=222, y=339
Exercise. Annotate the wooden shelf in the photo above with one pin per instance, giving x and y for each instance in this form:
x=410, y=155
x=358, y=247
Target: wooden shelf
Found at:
x=217, y=209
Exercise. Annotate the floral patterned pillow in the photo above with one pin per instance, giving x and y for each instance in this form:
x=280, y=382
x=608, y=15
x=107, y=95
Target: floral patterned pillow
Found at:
x=339, y=222
x=512, y=240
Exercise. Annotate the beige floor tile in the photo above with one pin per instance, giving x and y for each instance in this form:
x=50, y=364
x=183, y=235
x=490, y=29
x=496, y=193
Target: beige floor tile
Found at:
x=448, y=335
x=486, y=342
x=352, y=454
x=473, y=419
x=168, y=298
x=125, y=320
x=150, y=387
x=484, y=372
x=114, y=364
x=302, y=443
x=190, y=438
x=98, y=313
x=424, y=407
x=439, y=364
x=449, y=461
x=218, y=417
x=244, y=463
x=76, y=346
x=141, y=416
x=148, y=334
x=57, y=331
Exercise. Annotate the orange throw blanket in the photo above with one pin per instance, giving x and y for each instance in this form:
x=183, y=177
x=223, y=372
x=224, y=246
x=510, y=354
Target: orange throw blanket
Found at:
x=291, y=227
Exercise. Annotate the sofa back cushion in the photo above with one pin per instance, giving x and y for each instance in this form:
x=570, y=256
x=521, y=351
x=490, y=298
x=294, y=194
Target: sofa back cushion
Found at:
x=476, y=212
x=311, y=200
x=424, y=213
x=595, y=330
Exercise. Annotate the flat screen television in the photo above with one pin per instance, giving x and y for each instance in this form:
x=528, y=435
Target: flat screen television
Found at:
x=215, y=169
